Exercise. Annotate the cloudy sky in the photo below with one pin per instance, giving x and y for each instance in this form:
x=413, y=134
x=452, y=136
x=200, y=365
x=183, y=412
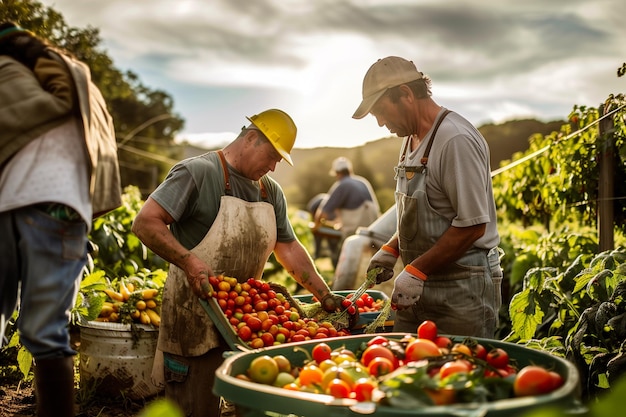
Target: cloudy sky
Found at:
x=492, y=61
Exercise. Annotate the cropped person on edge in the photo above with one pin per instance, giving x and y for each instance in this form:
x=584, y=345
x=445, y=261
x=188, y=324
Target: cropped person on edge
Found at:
x=219, y=213
x=351, y=203
x=447, y=236
x=58, y=169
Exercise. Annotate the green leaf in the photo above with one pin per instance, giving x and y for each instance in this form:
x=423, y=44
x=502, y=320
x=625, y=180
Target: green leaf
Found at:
x=161, y=408
x=24, y=361
x=95, y=281
x=526, y=314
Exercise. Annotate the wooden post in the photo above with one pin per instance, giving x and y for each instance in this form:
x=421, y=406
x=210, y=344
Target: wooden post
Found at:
x=605, y=183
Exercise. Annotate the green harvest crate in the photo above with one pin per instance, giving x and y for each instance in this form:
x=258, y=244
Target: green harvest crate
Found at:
x=364, y=318
x=258, y=400
x=223, y=326
x=236, y=344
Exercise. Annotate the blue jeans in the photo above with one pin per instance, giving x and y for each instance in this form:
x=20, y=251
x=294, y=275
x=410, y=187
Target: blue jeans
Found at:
x=41, y=261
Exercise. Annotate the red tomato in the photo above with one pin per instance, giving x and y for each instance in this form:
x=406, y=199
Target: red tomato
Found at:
x=298, y=338
x=380, y=366
x=254, y=323
x=321, y=352
x=498, y=358
x=479, y=351
x=267, y=338
x=244, y=333
x=338, y=388
x=557, y=380
x=454, y=367
x=375, y=351
x=420, y=349
x=377, y=340
x=443, y=342
x=363, y=389
x=427, y=330
x=533, y=380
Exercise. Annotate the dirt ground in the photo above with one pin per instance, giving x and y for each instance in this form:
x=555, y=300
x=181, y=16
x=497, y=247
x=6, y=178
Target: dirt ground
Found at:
x=18, y=400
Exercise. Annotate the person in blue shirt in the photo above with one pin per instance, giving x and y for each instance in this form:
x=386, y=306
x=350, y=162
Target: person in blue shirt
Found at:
x=351, y=203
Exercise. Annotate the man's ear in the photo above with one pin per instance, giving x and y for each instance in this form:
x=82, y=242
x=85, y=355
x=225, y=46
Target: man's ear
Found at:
x=406, y=93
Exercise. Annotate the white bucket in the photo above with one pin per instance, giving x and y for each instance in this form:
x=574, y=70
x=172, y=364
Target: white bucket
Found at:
x=115, y=365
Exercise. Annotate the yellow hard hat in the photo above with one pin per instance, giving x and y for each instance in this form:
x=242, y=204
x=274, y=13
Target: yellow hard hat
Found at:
x=279, y=128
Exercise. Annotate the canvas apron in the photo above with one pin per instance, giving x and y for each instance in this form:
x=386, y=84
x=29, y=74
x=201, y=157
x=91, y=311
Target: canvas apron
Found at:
x=238, y=244
x=352, y=219
x=460, y=297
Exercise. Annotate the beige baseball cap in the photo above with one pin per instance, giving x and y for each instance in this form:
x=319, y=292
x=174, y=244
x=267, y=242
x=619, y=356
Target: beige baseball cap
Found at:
x=340, y=164
x=384, y=74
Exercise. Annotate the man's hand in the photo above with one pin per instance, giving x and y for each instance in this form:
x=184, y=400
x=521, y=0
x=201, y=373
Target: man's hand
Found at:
x=198, y=273
x=385, y=260
x=408, y=287
x=332, y=303
x=200, y=285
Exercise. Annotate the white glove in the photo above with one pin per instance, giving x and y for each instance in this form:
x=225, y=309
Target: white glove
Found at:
x=408, y=287
x=385, y=259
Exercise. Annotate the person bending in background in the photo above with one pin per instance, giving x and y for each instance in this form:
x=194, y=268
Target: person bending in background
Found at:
x=351, y=203
x=58, y=169
x=447, y=234
x=219, y=213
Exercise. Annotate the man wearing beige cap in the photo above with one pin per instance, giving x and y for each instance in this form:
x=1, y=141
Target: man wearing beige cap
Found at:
x=446, y=235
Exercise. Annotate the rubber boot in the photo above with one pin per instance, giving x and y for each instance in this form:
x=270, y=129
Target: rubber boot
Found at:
x=54, y=387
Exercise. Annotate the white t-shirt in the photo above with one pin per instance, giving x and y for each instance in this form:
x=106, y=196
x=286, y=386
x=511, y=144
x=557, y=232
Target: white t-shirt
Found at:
x=51, y=168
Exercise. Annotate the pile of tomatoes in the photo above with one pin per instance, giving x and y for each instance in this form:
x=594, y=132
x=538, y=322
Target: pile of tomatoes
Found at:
x=366, y=303
x=262, y=317
x=416, y=370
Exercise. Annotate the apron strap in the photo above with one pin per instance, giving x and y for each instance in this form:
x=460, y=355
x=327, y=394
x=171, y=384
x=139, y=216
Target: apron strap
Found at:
x=424, y=159
x=227, y=188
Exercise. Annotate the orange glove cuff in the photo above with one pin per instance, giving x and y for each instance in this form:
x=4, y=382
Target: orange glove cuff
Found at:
x=390, y=250
x=414, y=271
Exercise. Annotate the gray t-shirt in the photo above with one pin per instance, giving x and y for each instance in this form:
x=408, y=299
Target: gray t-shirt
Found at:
x=458, y=179
x=191, y=194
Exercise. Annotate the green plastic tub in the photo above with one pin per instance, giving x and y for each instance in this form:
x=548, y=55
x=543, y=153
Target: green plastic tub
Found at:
x=258, y=400
x=236, y=344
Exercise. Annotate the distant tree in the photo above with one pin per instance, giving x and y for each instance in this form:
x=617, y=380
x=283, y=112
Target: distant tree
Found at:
x=132, y=104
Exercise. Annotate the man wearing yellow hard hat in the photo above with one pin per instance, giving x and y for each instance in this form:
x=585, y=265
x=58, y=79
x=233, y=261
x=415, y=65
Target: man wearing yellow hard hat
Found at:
x=219, y=213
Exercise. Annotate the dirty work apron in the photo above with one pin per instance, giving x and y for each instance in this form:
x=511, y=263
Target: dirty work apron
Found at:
x=459, y=298
x=238, y=244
